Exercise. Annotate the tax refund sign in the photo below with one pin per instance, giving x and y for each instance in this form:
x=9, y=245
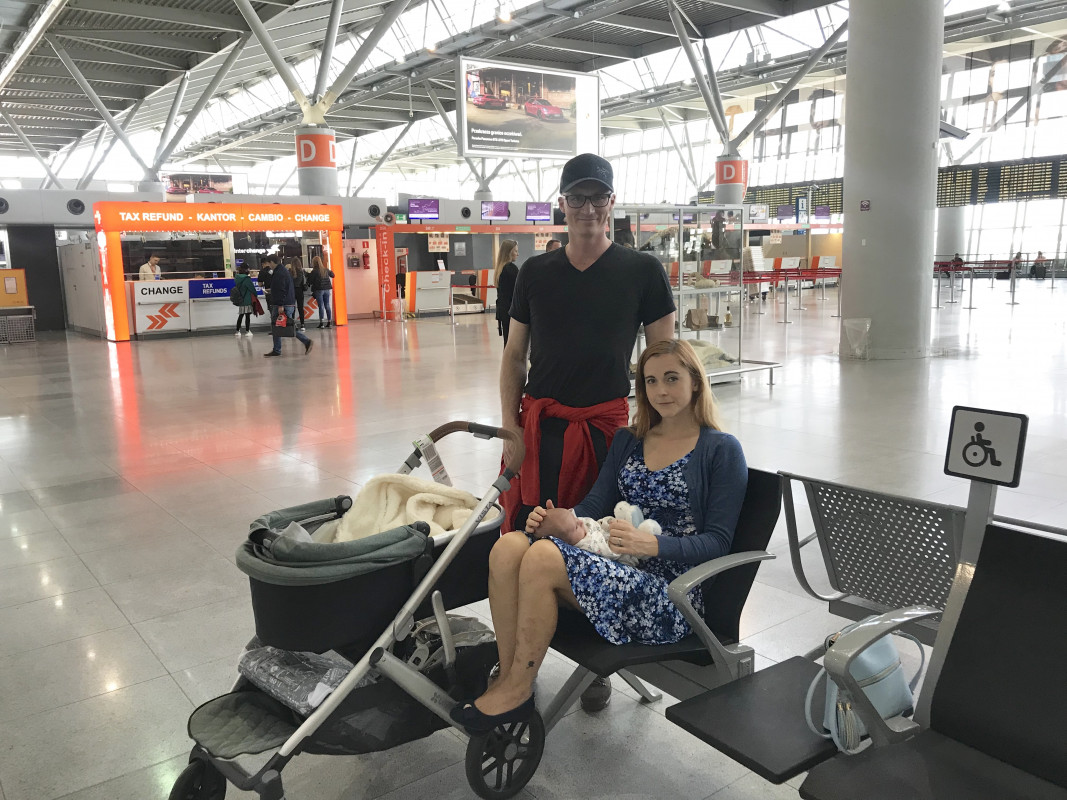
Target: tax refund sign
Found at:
x=115, y=218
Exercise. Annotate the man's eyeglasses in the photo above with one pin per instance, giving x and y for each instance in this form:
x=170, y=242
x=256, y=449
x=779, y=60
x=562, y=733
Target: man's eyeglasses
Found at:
x=579, y=200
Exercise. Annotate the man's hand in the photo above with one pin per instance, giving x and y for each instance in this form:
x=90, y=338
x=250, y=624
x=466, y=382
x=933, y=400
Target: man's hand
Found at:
x=509, y=445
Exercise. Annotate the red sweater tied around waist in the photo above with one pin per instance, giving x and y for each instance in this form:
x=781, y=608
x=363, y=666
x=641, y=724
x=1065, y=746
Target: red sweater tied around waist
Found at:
x=579, y=468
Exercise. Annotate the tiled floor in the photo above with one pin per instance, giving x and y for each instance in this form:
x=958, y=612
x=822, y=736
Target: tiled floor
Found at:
x=129, y=473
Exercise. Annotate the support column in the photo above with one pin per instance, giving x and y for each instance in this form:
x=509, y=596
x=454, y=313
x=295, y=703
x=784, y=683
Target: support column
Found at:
x=316, y=161
x=892, y=119
x=951, y=233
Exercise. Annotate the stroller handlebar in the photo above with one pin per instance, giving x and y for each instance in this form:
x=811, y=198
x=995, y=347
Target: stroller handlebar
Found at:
x=488, y=432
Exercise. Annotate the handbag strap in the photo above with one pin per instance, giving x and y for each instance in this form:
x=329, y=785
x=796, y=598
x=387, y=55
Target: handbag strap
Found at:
x=807, y=705
x=922, y=660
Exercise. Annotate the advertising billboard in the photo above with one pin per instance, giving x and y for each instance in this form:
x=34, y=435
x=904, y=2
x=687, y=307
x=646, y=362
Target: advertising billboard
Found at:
x=181, y=184
x=508, y=110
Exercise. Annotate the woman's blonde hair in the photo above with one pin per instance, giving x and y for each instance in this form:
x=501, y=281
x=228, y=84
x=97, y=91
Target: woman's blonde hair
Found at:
x=705, y=409
x=317, y=266
x=503, y=256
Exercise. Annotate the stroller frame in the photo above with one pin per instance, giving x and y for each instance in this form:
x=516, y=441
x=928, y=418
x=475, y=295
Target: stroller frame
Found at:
x=267, y=781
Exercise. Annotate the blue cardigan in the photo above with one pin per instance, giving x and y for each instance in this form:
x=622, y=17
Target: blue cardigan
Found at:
x=716, y=476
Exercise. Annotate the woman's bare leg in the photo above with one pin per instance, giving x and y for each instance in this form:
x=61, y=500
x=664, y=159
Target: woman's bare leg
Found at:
x=504, y=562
x=542, y=586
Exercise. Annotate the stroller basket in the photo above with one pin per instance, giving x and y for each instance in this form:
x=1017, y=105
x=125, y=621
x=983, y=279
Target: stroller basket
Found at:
x=372, y=718
x=313, y=597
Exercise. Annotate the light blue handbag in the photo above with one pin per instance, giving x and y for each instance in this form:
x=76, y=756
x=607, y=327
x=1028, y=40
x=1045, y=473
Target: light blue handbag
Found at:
x=881, y=675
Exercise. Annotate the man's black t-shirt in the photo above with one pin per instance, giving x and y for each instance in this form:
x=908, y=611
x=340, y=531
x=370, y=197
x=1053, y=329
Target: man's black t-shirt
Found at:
x=583, y=324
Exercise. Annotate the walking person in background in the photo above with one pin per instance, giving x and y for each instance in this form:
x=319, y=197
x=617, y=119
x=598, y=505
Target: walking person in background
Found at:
x=296, y=269
x=244, y=285
x=282, y=299
x=322, y=288
x=507, y=272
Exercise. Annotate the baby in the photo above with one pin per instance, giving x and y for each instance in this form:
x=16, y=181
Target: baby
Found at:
x=591, y=534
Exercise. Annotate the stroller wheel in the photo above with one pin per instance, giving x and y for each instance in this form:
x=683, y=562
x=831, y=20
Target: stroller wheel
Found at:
x=500, y=763
x=199, y=781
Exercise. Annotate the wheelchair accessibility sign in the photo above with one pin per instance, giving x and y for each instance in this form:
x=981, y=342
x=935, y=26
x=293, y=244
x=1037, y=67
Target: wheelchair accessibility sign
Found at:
x=986, y=445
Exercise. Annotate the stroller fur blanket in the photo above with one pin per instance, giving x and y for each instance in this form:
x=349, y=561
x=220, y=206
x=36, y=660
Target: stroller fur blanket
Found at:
x=388, y=501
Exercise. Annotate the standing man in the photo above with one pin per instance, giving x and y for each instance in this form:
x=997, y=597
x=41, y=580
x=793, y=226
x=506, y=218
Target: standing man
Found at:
x=576, y=311
x=282, y=296
x=150, y=269
x=267, y=265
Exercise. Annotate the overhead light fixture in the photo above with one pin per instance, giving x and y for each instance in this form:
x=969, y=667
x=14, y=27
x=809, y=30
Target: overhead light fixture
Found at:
x=431, y=48
x=503, y=13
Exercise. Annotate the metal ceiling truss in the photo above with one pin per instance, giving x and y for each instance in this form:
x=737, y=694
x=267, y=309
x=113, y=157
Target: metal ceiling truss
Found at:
x=127, y=51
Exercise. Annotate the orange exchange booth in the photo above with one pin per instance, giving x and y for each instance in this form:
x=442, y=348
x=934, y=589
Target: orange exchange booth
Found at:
x=143, y=308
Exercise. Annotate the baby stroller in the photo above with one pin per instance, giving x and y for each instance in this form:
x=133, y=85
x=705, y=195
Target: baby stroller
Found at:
x=361, y=599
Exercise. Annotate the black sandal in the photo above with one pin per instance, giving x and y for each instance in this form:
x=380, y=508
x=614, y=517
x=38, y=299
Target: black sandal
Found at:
x=477, y=723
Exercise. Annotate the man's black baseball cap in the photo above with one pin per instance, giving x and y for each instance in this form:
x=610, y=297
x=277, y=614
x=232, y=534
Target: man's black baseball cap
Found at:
x=586, y=167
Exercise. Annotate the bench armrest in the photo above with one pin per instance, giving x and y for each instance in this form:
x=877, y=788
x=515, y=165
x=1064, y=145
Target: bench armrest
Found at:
x=795, y=544
x=838, y=661
x=731, y=660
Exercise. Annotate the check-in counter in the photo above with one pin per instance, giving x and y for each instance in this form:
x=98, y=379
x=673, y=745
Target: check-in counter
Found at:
x=185, y=306
x=428, y=290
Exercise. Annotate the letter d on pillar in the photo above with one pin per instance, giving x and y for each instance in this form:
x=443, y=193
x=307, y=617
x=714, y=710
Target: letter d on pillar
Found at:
x=731, y=179
x=316, y=161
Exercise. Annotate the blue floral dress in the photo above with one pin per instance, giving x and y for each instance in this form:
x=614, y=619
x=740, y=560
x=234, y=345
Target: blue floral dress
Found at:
x=630, y=604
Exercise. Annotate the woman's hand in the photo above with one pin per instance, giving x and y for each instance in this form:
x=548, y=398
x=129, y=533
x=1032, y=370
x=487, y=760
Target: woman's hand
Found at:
x=625, y=539
x=536, y=517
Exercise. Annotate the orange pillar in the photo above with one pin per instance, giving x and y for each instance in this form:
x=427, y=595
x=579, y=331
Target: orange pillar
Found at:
x=113, y=285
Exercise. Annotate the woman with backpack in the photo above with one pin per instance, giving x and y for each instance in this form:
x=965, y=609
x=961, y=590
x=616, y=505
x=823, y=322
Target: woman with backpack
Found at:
x=322, y=289
x=296, y=269
x=243, y=285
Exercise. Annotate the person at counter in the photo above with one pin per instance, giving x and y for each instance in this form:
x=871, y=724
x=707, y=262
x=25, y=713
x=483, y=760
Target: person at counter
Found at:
x=282, y=297
x=296, y=269
x=507, y=272
x=150, y=269
x=267, y=265
x=244, y=285
x=322, y=288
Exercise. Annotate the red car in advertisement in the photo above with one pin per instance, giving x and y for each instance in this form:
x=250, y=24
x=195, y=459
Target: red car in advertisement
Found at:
x=542, y=109
x=489, y=101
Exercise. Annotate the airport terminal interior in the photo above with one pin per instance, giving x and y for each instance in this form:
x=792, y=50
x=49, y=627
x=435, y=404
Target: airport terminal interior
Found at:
x=859, y=210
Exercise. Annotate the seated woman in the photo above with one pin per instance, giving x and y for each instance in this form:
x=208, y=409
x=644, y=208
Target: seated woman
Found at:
x=680, y=469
